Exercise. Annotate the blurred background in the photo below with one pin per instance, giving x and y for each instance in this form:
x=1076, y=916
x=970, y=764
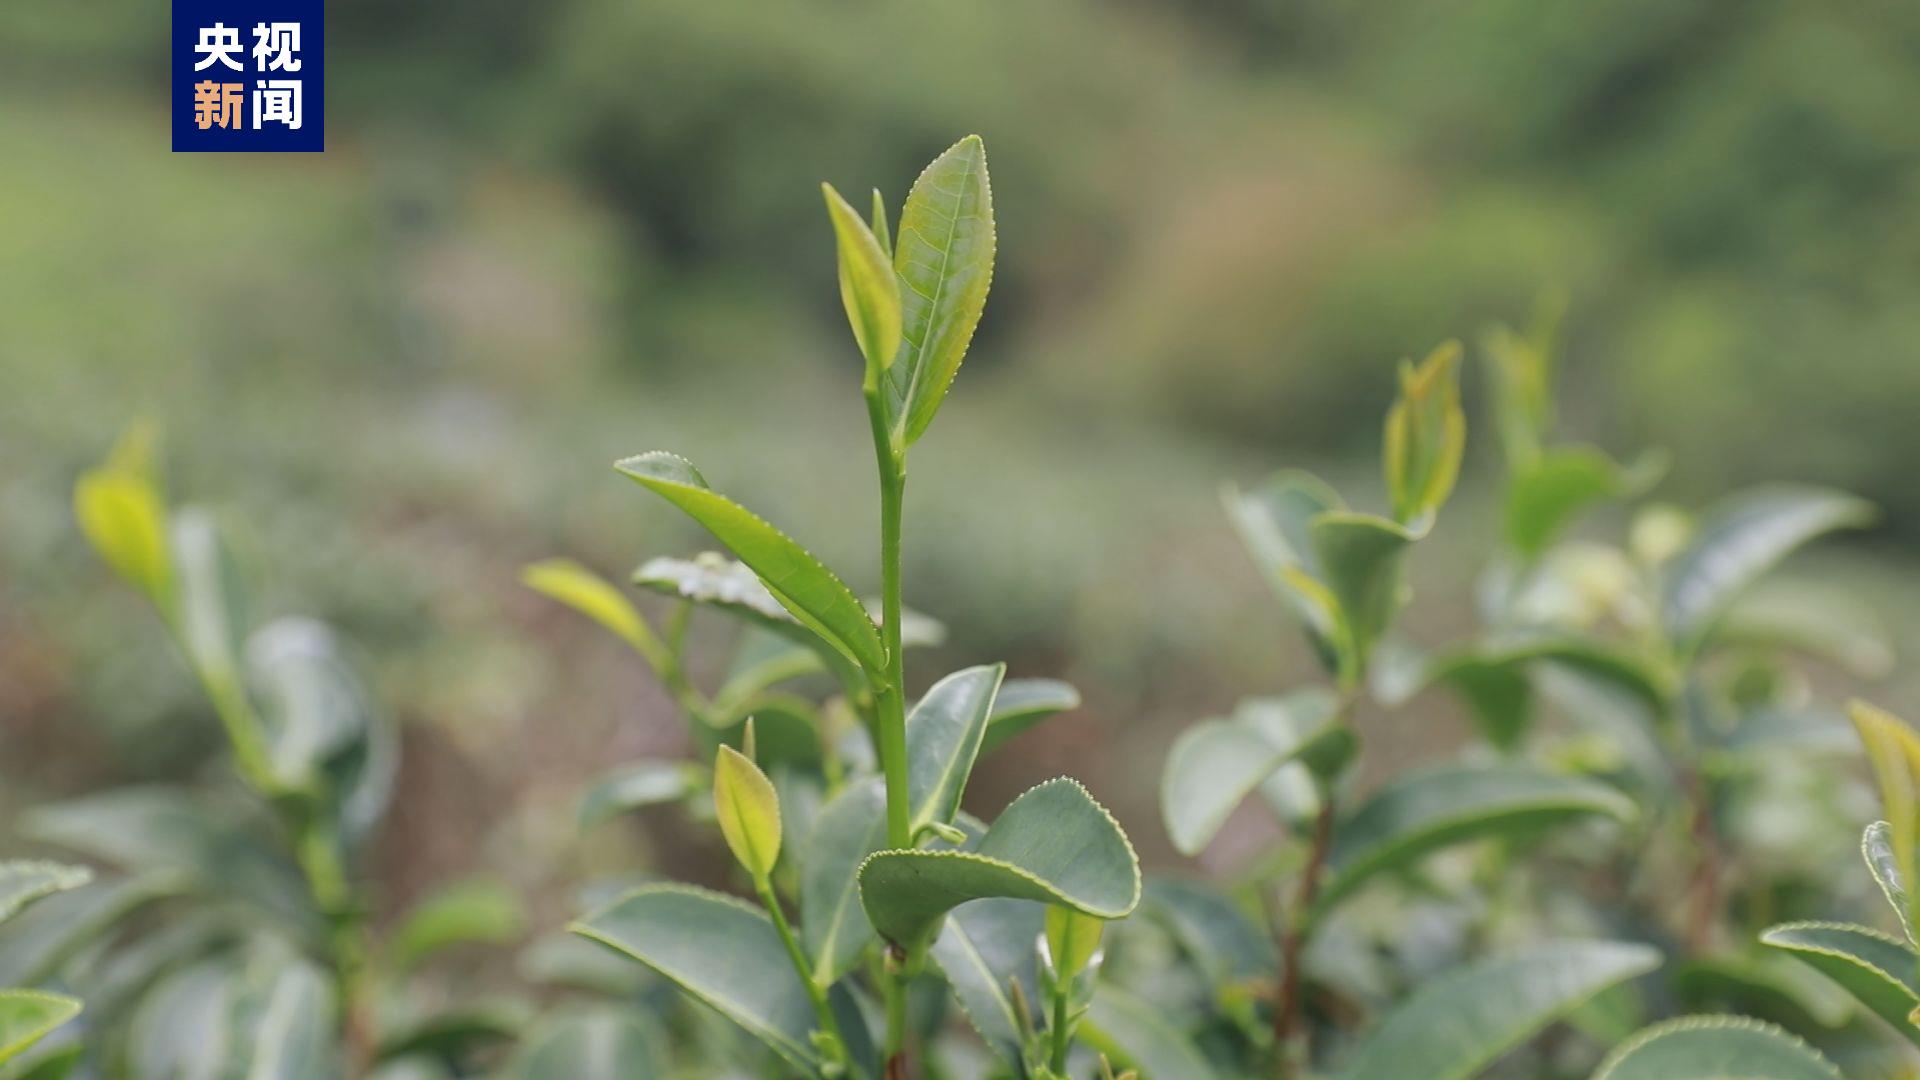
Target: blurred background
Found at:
x=545, y=236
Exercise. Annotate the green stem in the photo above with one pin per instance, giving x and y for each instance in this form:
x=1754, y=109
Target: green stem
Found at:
x=890, y=701
x=822, y=1009
x=1062, y=1037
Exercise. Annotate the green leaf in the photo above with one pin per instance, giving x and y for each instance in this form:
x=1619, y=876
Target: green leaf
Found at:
x=721, y=951
x=1876, y=969
x=1053, y=844
x=322, y=733
x=27, y=1016
x=1722, y=1047
x=1458, y=1023
x=944, y=257
x=944, y=732
x=1762, y=983
x=1546, y=494
x=1272, y=521
x=834, y=928
x=749, y=812
x=1893, y=750
x=1215, y=764
x=468, y=912
x=595, y=1042
x=1136, y=1035
x=1823, y=622
x=36, y=942
x=986, y=947
x=284, y=1022
x=1876, y=847
x=1022, y=704
x=1742, y=541
x=168, y=832
x=797, y=580
x=868, y=287
x=1420, y=812
x=1495, y=679
x=881, y=233
x=1363, y=558
x=121, y=514
x=1073, y=940
x=1228, y=947
x=598, y=599
x=643, y=783
x=469, y=1029
x=1520, y=371
x=1426, y=436
x=22, y=881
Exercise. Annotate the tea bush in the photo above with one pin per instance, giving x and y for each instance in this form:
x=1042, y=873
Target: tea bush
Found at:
x=1595, y=885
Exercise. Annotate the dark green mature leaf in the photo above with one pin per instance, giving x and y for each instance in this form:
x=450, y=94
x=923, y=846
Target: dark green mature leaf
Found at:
x=1052, y=844
x=470, y=1029
x=834, y=927
x=166, y=831
x=475, y=912
x=1828, y=623
x=22, y=881
x=1741, y=542
x=1722, y=1047
x=723, y=952
x=1549, y=492
x=800, y=582
x=283, y=1024
x=1495, y=679
x=1215, y=764
x=37, y=941
x=944, y=732
x=1762, y=983
x=1136, y=1035
x=322, y=733
x=1227, y=945
x=868, y=287
x=1877, y=970
x=988, y=945
x=1022, y=704
x=1272, y=521
x=1876, y=847
x=597, y=1042
x=27, y=1016
x=944, y=258
x=1456, y=1024
x=1363, y=557
x=1422, y=811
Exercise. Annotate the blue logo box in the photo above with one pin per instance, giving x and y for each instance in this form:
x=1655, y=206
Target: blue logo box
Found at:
x=249, y=75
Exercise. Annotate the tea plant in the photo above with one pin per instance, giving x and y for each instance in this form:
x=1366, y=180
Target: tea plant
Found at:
x=238, y=938
x=1677, y=677
x=891, y=880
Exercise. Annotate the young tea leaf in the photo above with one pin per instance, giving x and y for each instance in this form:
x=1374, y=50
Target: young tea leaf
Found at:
x=1216, y=763
x=598, y=599
x=944, y=258
x=22, y=881
x=799, y=581
x=27, y=1016
x=1426, y=436
x=749, y=812
x=868, y=287
x=1073, y=939
x=466, y=913
x=1362, y=557
x=1272, y=521
x=1893, y=750
x=122, y=516
x=1876, y=847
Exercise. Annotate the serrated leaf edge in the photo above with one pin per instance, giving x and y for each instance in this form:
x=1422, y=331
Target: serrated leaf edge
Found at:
x=1702, y=1023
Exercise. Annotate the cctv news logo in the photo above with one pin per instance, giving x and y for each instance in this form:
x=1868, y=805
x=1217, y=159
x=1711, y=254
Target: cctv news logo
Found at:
x=249, y=75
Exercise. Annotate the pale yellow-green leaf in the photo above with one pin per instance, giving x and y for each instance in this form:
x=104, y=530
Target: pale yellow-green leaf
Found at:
x=1893, y=750
x=1073, y=939
x=122, y=516
x=749, y=812
x=868, y=286
x=595, y=597
x=1426, y=436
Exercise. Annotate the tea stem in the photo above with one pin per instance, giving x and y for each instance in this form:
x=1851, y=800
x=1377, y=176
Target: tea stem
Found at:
x=890, y=698
x=1062, y=1037
x=1289, y=1008
x=817, y=994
